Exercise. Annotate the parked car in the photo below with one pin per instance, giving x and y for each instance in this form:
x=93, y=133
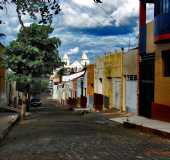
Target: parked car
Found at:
x=35, y=102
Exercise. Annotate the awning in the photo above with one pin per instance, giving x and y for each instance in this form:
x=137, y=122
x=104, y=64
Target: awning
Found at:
x=72, y=76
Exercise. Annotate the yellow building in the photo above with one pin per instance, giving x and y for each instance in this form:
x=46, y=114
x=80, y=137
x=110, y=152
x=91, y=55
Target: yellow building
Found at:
x=114, y=81
x=154, y=101
x=161, y=105
x=89, y=83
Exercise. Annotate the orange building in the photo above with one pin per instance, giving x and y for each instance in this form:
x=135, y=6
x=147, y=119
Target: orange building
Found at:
x=90, y=80
x=90, y=85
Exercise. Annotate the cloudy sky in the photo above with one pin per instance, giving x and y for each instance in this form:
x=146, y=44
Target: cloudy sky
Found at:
x=84, y=26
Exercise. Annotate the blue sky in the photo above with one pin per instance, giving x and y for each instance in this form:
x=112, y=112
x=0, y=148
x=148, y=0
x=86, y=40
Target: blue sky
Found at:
x=84, y=26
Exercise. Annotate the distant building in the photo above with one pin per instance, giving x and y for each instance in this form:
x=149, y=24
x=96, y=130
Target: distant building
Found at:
x=66, y=60
x=76, y=66
x=84, y=59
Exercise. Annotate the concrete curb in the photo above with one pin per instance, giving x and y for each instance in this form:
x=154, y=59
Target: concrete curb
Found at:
x=147, y=129
x=5, y=132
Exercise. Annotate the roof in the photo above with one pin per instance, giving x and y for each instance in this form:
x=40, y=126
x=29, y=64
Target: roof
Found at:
x=76, y=64
x=72, y=76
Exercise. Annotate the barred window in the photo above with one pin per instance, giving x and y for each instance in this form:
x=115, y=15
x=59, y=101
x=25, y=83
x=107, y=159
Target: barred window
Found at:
x=131, y=77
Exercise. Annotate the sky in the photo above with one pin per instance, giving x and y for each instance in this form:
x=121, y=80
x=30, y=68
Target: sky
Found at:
x=84, y=26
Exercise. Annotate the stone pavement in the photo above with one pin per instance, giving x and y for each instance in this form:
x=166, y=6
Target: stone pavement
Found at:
x=54, y=133
x=7, y=120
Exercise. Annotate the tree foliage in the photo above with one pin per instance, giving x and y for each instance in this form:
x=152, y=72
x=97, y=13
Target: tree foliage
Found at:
x=33, y=53
x=45, y=8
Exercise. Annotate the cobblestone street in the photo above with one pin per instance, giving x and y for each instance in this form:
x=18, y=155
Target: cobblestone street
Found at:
x=53, y=133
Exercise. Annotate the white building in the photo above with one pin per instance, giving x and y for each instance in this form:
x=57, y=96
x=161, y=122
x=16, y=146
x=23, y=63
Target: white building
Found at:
x=66, y=60
x=76, y=66
x=84, y=59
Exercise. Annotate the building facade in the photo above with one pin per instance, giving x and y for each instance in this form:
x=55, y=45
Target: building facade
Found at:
x=130, y=74
x=114, y=82
x=90, y=85
x=154, y=51
x=98, y=84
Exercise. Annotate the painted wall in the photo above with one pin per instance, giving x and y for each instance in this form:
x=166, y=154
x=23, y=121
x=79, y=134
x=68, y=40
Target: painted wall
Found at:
x=90, y=85
x=79, y=87
x=99, y=75
x=113, y=68
x=161, y=103
x=150, y=45
x=74, y=88
x=162, y=83
x=85, y=84
x=90, y=80
x=130, y=72
x=130, y=62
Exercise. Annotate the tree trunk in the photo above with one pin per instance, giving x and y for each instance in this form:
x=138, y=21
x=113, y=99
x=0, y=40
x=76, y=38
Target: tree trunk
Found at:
x=23, y=107
x=28, y=102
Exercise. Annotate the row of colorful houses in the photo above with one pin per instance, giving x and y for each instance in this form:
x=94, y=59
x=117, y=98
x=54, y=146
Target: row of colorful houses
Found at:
x=108, y=84
x=136, y=81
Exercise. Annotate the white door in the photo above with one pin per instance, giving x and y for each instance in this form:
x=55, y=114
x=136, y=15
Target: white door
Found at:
x=131, y=95
x=117, y=93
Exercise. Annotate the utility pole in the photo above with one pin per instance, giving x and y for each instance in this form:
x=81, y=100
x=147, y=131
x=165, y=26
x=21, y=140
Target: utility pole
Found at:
x=123, y=86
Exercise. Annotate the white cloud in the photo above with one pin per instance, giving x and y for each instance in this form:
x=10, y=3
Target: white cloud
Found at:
x=84, y=13
x=127, y=9
x=87, y=3
x=73, y=51
x=118, y=11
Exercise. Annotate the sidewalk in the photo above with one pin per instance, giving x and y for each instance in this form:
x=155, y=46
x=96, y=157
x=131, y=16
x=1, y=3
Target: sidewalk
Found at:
x=7, y=120
x=144, y=124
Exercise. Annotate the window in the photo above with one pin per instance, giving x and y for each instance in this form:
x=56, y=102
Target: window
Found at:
x=166, y=63
x=131, y=77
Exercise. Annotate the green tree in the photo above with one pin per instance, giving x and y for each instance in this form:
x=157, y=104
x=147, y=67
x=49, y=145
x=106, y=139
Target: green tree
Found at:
x=32, y=55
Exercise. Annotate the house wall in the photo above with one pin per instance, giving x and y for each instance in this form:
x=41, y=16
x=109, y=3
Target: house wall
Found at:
x=161, y=105
x=130, y=72
x=98, y=75
x=150, y=45
x=162, y=83
x=160, y=31
x=98, y=84
x=113, y=68
x=74, y=88
x=79, y=87
x=130, y=62
x=107, y=81
x=85, y=84
x=90, y=80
